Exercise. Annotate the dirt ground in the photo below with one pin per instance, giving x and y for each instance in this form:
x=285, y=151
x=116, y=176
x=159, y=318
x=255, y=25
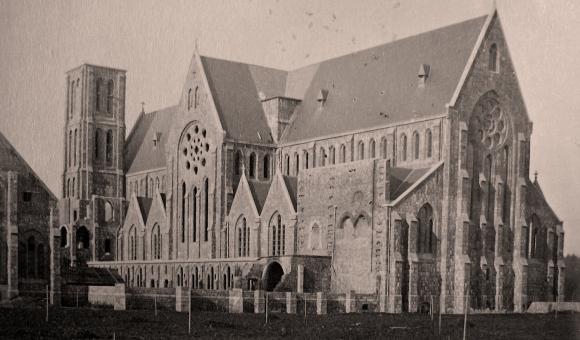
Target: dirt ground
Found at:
x=27, y=321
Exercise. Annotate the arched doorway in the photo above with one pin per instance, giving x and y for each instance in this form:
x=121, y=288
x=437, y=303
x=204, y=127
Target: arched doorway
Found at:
x=273, y=276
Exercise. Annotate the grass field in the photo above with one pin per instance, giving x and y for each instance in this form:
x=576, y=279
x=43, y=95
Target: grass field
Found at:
x=17, y=322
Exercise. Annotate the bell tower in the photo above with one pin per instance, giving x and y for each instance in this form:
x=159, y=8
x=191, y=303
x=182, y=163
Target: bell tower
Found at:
x=94, y=133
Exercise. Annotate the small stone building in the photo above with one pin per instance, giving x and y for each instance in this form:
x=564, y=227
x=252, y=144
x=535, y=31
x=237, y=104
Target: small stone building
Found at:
x=27, y=210
x=399, y=172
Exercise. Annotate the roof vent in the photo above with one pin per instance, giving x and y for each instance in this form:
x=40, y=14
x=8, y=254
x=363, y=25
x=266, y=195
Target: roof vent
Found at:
x=423, y=74
x=322, y=96
x=156, y=138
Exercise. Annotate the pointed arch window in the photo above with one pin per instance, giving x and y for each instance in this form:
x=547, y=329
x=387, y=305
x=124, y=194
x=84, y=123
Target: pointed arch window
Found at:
x=252, y=170
x=238, y=163
x=416, y=145
x=110, y=89
x=73, y=187
x=425, y=229
x=243, y=238
x=361, y=150
x=72, y=99
x=297, y=163
x=75, y=149
x=151, y=187
x=332, y=154
x=372, y=149
x=322, y=157
x=156, y=242
x=384, y=148
x=70, y=148
x=287, y=164
x=183, y=192
x=97, y=143
x=189, y=100
x=109, y=149
x=266, y=166
x=133, y=243
x=343, y=153
x=63, y=237
x=196, y=97
x=429, y=143
x=403, y=147
x=98, y=89
x=278, y=234
x=206, y=210
x=493, y=60
x=194, y=213
x=305, y=159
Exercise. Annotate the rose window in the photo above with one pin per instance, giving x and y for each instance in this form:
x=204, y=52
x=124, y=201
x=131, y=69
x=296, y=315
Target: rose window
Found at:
x=491, y=123
x=194, y=148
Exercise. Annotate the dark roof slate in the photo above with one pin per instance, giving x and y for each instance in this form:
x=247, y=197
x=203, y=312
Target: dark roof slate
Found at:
x=384, y=79
x=402, y=179
x=236, y=88
x=292, y=187
x=141, y=153
x=259, y=192
x=145, y=204
x=90, y=276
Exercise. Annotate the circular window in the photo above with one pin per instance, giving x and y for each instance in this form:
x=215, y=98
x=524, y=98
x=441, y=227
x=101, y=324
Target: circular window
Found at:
x=196, y=142
x=490, y=122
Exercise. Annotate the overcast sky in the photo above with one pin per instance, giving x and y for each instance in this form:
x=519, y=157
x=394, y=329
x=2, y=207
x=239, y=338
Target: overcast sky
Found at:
x=154, y=42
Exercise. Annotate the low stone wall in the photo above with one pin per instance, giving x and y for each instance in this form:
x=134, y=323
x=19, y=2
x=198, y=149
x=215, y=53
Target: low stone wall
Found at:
x=104, y=295
x=336, y=303
x=144, y=298
x=32, y=287
x=248, y=300
x=547, y=307
x=74, y=296
x=210, y=300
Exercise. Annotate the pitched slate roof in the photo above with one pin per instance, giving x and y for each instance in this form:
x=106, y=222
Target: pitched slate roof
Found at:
x=259, y=192
x=236, y=88
x=292, y=187
x=384, y=79
x=11, y=160
x=141, y=152
x=90, y=276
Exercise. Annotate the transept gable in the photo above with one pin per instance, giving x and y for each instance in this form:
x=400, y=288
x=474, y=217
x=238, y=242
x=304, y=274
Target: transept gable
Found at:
x=244, y=201
x=135, y=215
x=157, y=213
x=279, y=197
x=491, y=70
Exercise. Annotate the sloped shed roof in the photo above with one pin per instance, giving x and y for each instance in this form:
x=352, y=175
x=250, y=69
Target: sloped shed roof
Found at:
x=90, y=276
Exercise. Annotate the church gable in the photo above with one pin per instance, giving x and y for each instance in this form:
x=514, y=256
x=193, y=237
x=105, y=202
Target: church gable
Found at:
x=134, y=216
x=243, y=203
x=157, y=212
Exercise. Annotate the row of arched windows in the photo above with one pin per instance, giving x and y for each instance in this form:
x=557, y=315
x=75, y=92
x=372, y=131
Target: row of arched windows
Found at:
x=108, y=146
x=302, y=160
x=189, y=211
x=104, y=100
x=150, y=190
x=253, y=168
x=416, y=147
x=193, y=98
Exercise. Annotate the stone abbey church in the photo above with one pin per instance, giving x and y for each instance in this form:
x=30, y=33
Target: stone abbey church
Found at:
x=399, y=172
